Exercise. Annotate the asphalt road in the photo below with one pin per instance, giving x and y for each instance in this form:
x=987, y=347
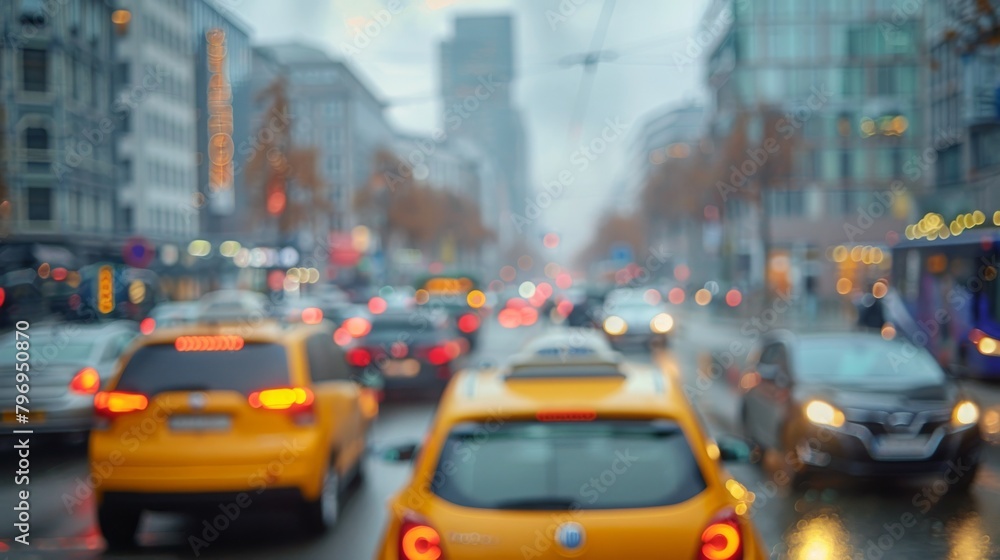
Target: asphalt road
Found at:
x=909, y=520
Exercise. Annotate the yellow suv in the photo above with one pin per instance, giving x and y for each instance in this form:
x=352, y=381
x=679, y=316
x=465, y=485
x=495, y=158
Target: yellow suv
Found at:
x=212, y=418
x=568, y=452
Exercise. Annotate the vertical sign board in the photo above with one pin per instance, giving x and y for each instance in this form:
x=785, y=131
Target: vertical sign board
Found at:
x=220, y=124
x=105, y=290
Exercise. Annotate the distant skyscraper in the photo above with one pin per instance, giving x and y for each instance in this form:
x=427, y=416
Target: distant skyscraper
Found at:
x=477, y=71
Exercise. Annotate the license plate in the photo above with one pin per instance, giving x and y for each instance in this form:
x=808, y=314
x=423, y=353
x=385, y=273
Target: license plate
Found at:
x=200, y=423
x=401, y=368
x=901, y=447
x=10, y=417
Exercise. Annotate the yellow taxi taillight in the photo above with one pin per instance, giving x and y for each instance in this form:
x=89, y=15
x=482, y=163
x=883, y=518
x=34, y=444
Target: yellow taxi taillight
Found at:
x=282, y=398
x=419, y=541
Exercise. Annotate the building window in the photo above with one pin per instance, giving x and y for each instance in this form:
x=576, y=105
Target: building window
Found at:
x=35, y=70
x=845, y=165
x=36, y=143
x=39, y=204
x=948, y=169
x=36, y=139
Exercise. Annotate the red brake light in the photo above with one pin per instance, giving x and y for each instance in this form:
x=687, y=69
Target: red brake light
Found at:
x=722, y=539
x=468, y=323
x=359, y=357
x=147, y=325
x=398, y=349
x=111, y=403
x=377, y=305
x=357, y=326
x=3, y=296
x=209, y=343
x=312, y=315
x=566, y=416
x=419, y=541
x=283, y=398
x=86, y=381
x=342, y=337
x=975, y=335
x=438, y=355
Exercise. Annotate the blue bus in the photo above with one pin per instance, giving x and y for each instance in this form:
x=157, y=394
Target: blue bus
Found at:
x=945, y=296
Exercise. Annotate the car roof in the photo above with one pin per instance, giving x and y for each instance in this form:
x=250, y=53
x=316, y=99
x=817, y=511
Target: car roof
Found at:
x=638, y=391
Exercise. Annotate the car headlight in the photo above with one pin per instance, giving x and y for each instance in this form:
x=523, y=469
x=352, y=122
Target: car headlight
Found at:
x=824, y=414
x=988, y=346
x=615, y=325
x=662, y=323
x=965, y=413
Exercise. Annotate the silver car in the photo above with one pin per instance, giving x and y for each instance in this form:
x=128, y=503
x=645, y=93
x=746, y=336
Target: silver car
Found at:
x=69, y=363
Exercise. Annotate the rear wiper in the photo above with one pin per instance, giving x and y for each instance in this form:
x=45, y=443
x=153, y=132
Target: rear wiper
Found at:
x=537, y=503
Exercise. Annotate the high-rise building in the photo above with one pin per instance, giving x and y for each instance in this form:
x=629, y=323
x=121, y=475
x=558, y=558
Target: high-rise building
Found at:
x=821, y=105
x=156, y=95
x=477, y=73
x=338, y=115
x=961, y=165
x=57, y=179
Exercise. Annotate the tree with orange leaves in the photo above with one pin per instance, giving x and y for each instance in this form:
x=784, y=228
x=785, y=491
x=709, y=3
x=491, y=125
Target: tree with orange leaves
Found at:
x=283, y=179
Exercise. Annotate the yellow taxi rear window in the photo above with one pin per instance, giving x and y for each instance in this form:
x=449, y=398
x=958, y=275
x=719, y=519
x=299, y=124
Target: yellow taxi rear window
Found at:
x=163, y=367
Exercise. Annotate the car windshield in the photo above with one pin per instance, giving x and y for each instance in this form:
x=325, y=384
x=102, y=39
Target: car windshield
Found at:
x=865, y=361
x=159, y=368
x=635, y=312
x=595, y=465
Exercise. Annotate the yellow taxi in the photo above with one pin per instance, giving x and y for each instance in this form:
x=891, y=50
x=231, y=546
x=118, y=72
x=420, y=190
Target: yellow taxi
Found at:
x=568, y=452
x=223, y=418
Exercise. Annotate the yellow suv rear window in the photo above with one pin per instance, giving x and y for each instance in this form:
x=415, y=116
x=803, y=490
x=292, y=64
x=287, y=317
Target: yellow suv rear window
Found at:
x=160, y=368
x=558, y=465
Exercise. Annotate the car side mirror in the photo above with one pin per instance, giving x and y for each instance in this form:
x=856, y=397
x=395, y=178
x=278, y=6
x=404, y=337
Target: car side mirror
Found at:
x=402, y=453
x=733, y=449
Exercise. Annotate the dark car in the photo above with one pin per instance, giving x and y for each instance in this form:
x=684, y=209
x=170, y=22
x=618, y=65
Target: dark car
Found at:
x=408, y=354
x=858, y=405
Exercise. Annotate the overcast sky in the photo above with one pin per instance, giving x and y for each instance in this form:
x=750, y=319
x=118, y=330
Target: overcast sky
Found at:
x=401, y=64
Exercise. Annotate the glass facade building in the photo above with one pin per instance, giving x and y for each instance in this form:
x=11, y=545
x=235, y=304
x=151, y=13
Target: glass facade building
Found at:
x=839, y=89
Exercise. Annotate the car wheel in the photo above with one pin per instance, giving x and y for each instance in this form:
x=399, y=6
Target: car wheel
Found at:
x=321, y=514
x=118, y=525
